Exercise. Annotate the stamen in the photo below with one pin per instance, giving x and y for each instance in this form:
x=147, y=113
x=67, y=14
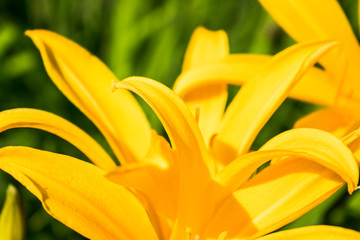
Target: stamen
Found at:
x=222, y=235
x=357, y=188
x=197, y=112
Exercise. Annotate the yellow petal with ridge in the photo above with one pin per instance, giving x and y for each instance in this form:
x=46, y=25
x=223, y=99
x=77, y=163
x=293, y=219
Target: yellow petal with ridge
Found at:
x=326, y=149
x=87, y=82
x=77, y=194
x=260, y=97
x=157, y=181
x=276, y=196
x=34, y=118
x=237, y=69
x=307, y=20
x=190, y=151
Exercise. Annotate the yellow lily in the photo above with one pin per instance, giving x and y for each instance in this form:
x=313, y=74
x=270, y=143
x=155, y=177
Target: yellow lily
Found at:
x=200, y=187
x=310, y=20
x=306, y=21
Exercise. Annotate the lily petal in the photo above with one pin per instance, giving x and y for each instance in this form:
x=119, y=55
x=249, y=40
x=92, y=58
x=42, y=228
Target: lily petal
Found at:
x=238, y=69
x=87, y=82
x=309, y=20
x=103, y=211
x=186, y=139
x=34, y=118
x=181, y=127
x=291, y=188
x=352, y=140
x=328, y=149
x=338, y=121
x=314, y=232
x=206, y=46
x=259, y=98
x=157, y=182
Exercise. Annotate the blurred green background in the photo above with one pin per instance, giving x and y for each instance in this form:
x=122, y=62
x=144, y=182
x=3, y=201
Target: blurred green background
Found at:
x=134, y=37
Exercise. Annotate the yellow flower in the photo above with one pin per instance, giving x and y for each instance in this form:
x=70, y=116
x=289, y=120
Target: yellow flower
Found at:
x=320, y=19
x=337, y=87
x=200, y=187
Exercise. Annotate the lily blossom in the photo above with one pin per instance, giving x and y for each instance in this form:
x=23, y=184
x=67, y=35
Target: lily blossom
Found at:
x=304, y=21
x=310, y=20
x=198, y=186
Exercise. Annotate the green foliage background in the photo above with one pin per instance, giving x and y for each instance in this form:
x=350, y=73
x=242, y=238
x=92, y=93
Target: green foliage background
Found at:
x=134, y=37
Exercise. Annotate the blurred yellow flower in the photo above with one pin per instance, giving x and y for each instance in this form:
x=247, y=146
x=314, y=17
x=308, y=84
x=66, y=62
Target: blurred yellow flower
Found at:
x=200, y=186
x=336, y=87
x=12, y=216
x=308, y=21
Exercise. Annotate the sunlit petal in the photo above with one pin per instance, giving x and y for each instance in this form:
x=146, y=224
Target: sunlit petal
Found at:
x=307, y=20
x=181, y=127
x=33, y=118
x=238, y=69
x=276, y=196
x=338, y=121
x=314, y=232
x=86, y=81
x=186, y=139
x=157, y=181
x=77, y=194
x=324, y=147
x=260, y=97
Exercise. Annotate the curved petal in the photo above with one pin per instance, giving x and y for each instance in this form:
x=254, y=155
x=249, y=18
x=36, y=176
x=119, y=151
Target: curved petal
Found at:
x=181, y=127
x=185, y=137
x=34, y=118
x=77, y=194
x=260, y=97
x=338, y=121
x=206, y=46
x=314, y=232
x=157, y=182
x=238, y=69
x=328, y=149
x=233, y=69
x=307, y=20
x=291, y=188
x=87, y=82
x=352, y=140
